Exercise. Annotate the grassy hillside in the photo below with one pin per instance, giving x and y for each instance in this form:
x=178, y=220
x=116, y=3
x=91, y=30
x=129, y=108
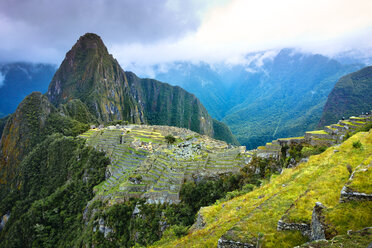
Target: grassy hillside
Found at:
x=290, y=196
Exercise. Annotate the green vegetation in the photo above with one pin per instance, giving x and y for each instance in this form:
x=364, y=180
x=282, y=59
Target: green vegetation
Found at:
x=357, y=144
x=222, y=132
x=57, y=181
x=351, y=95
x=356, y=239
x=170, y=139
x=258, y=212
x=3, y=123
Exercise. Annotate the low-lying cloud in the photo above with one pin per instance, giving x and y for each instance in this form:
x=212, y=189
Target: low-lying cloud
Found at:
x=143, y=33
x=41, y=30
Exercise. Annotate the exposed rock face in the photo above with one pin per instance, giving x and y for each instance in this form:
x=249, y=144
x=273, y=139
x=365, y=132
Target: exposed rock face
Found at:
x=102, y=228
x=223, y=243
x=302, y=227
x=91, y=74
x=199, y=223
x=318, y=227
x=4, y=220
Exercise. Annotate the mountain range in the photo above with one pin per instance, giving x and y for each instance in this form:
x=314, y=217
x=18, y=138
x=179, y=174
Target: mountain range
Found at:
x=17, y=80
x=352, y=94
x=271, y=94
x=107, y=159
x=275, y=94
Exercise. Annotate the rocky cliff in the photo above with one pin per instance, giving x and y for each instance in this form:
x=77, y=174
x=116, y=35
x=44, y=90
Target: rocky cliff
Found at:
x=89, y=73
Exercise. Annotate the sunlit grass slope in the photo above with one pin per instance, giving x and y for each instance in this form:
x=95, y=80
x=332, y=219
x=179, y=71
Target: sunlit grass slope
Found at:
x=290, y=196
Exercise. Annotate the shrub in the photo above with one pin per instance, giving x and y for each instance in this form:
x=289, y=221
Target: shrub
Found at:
x=170, y=139
x=357, y=144
x=308, y=151
x=248, y=188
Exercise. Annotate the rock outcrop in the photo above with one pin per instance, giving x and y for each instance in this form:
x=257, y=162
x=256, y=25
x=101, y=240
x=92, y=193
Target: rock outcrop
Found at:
x=351, y=191
x=302, y=227
x=318, y=225
x=90, y=74
x=224, y=243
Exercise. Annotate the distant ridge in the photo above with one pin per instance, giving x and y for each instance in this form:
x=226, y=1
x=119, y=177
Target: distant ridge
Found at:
x=351, y=95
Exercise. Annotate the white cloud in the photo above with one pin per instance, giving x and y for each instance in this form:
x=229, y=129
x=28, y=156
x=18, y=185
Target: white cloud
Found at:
x=238, y=27
x=143, y=33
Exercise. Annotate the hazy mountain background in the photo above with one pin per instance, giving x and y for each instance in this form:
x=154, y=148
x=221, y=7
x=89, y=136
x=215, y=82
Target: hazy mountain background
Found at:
x=270, y=95
x=17, y=80
x=352, y=94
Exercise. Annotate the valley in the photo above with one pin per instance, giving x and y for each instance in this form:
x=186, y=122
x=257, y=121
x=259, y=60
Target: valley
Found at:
x=108, y=159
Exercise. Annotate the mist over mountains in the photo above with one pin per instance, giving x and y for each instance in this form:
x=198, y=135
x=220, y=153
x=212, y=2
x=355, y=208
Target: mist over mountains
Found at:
x=17, y=80
x=267, y=95
x=272, y=95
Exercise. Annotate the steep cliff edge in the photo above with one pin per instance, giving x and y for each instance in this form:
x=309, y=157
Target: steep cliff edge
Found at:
x=89, y=73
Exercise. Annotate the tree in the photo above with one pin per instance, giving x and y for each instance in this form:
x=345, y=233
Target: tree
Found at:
x=170, y=139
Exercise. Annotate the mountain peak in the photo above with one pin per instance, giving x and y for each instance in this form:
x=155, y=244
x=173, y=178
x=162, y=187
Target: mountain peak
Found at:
x=87, y=45
x=91, y=74
x=90, y=41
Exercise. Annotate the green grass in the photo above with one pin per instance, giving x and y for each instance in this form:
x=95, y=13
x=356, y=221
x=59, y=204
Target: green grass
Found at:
x=355, y=240
x=317, y=132
x=320, y=179
x=362, y=180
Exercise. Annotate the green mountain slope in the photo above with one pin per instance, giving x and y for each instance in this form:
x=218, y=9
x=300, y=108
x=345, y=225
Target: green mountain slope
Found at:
x=34, y=119
x=273, y=95
x=22, y=132
x=89, y=73
x=253, y=219
x=351, y=95
x=164, y=104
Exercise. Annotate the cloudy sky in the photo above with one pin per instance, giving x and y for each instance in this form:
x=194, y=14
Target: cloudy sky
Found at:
x=140, y=33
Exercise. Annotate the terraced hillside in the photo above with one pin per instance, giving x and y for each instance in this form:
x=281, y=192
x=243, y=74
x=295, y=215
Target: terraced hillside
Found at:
x=303, y=203
x=144, y=165
x=331, y=135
